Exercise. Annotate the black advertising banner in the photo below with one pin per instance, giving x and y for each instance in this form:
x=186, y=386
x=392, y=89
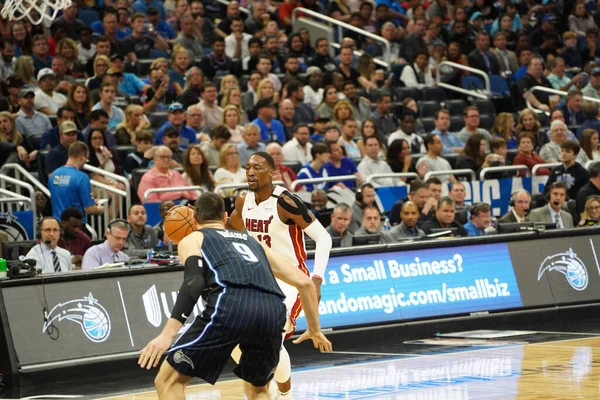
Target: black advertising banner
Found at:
x=89, y=318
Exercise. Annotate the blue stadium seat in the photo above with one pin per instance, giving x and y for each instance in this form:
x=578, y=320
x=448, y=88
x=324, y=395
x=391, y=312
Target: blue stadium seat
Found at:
x=471, y=82
x=88, y=15
x=499, y=86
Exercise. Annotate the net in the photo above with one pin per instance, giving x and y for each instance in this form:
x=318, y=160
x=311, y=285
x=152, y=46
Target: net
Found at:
x=35, y=10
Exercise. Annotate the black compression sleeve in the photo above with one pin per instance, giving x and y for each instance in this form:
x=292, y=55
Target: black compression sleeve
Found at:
x=298, y=209
x=191, y=289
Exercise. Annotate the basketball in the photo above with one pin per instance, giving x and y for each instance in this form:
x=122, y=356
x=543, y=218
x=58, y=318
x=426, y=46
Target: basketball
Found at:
x=179, y=222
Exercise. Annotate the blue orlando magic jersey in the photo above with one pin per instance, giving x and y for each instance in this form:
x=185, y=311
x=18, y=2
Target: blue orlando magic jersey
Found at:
x=237, y=260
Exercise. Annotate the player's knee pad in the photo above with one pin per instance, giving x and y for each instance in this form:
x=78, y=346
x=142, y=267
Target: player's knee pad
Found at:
x=283, y=373
x=236, y=354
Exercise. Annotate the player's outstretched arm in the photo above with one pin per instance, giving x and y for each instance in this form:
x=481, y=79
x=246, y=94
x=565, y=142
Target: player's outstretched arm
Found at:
x=189, y=293
x=235, y=220
x=308, y=296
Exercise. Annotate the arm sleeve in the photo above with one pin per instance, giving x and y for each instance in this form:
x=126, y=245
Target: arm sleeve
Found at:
x=323, y=246
x=191, y=289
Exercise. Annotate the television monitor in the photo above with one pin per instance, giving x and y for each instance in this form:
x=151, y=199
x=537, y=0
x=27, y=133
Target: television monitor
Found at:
x=512, y=227
x=12, y=250
x=363, y=240
x=324, y=216
x=545, y=225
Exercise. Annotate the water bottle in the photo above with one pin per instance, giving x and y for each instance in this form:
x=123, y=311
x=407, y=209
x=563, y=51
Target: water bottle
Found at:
x=2, y=268
x=386, y=224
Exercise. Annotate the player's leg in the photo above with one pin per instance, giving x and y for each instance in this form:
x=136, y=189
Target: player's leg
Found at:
x=170, y=384
x=255, y=392
x=283, y=373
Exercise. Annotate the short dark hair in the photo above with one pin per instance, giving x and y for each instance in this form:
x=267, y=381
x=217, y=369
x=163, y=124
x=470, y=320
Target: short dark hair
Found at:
x=293, y=86
x=102, y=38
x=61, y=110
x=559, y=185
x=209, y=207
x=237, y=18
x=440, y=111
x=137, y=15
x=69, y=213
x=254, y=40
x=374, y=137
x=433, y=180
x=319, y=148
x=220, y=132
x=78, y=149
x=429, y=140
x=594, y=170
x=296, y=127
x=445, y=200
x=144, y=136
x=267, y=157
x=470, y=108
x=97, y=114
x=480, y=208
x=497, y=143
x=572, y=145
x=206, y=85
x=417, y=185
x=218, y=39
x=407, y=113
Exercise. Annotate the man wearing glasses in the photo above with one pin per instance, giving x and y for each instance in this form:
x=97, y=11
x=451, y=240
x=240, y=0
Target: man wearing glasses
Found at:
x=110, y=251
x=162, y=176
x=49, y=257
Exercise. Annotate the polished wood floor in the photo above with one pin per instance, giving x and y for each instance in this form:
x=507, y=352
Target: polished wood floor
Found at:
x=557, y=370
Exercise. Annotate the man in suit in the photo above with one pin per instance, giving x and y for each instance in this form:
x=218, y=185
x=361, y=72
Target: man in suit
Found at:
x=553, y=212
x=506, y=58
x=482, y=58
x=520, y=203
x=572, y=108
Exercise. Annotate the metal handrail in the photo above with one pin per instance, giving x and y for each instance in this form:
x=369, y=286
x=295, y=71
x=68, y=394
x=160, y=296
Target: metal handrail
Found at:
x=486, y=80
x=18, y=168
x=14, y=196
x=451, y=172
x=341, y=25
x=552, y=91
x=484, y=171
x=391, y=175
x=171, y=189
x=537, y=167
x=115, y=177
x=27, y=186
x=326, y=179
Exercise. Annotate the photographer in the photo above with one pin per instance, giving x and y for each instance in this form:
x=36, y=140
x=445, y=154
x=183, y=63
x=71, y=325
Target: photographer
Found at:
x=158, y=96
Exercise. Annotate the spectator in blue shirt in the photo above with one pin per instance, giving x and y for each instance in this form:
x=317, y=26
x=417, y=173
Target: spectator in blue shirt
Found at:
x=451, y=142
x=159, y=24
x=69, y=187
x=142, y=6
x=271, y=130
x=481, y=216
x=338, y=165
x=315, y=168
x=109, y=26
x=177, y=119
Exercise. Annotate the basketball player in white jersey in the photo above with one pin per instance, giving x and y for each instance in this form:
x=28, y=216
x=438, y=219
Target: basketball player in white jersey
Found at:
x=278, y=219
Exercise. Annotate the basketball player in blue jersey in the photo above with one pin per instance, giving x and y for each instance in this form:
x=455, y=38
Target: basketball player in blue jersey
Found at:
x=278, y=219
x=244, y=306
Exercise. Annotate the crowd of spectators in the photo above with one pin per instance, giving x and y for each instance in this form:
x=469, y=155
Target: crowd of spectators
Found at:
x=187, y=90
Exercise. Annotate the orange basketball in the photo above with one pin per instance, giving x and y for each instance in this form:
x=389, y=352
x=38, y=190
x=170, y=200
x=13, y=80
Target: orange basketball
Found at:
x=179, y=222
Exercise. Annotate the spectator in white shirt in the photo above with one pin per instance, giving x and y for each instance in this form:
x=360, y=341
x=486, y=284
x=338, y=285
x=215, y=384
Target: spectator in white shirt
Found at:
x=408, y=121
x=236, y=43
x=313, y=91
x=432, y=159
x=47, y=100
x=371, y=164
x=417, y=74
x=298, y=149
x=550, y=152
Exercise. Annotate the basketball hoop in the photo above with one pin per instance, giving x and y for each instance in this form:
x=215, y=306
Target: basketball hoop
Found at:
x=46, y=9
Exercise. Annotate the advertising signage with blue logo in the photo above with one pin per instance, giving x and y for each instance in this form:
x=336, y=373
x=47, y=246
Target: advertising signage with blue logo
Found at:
x=403, y=285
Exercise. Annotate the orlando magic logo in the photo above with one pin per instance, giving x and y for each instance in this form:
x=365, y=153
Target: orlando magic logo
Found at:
x=570, y=266
x=87, y=313
x=179, y=357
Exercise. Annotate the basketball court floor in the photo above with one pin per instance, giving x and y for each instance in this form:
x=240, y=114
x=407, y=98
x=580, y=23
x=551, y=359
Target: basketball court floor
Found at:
x=543, y=357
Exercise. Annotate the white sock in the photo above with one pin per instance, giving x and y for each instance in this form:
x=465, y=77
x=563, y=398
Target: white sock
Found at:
x=283, y=372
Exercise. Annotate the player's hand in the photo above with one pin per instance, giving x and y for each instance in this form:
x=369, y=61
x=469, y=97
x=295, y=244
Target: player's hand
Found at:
x=319, y=340
x=318, y=283
x=151, y=354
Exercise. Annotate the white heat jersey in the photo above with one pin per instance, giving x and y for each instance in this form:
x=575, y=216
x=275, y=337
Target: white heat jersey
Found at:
x=263, y=223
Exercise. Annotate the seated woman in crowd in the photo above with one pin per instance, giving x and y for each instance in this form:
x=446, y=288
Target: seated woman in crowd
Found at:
x=282, y=172
x=504, y=127
x=25, y=70
x=230, y=170
x=101, y=67
x=233, y=97
x=589, y=147
x=366, y=69
x=135, y=121
x=104, y=158
x=368, y=128
x=399, y=158
x=474, y=153
x=330, y=99
x=266, y=90
x=15, y=147
x=296, y=49
x=196, y=170
x=527, y=156
x=591, y=213
x=228, y=82
x=529, y=123
x=79, y=99
x=341, y=112
x=232, y=120
x=67, y=48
